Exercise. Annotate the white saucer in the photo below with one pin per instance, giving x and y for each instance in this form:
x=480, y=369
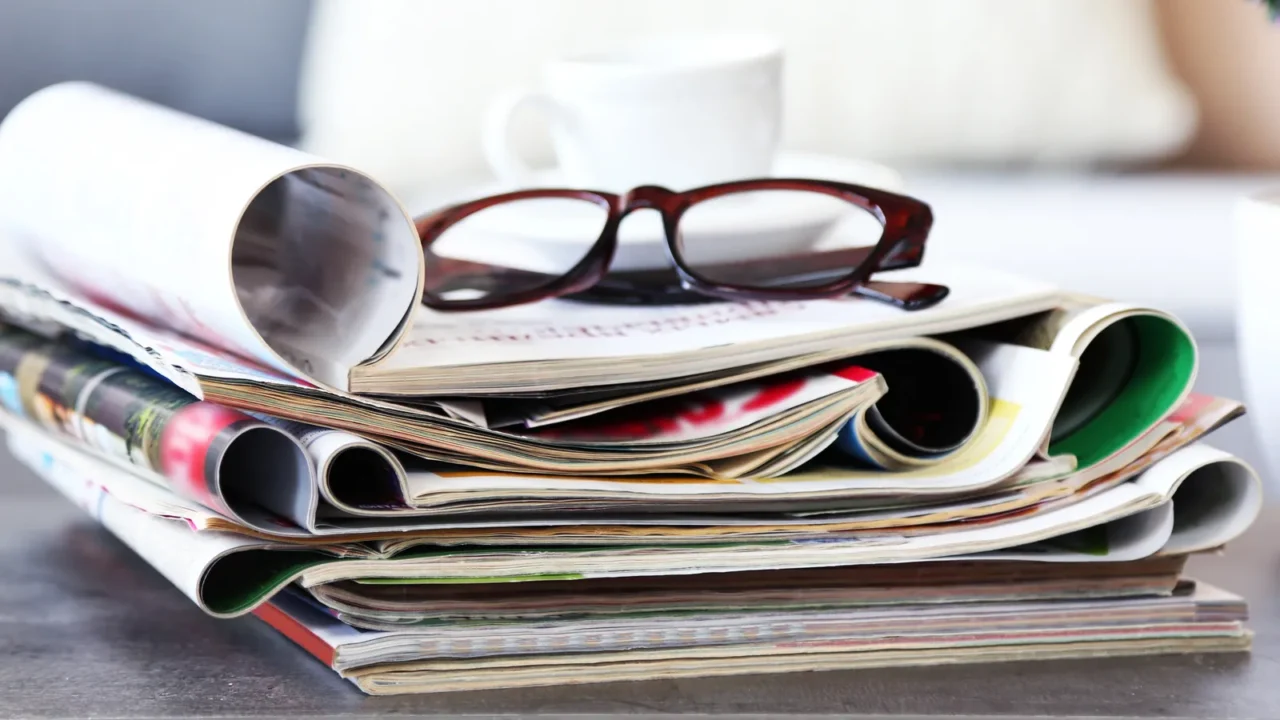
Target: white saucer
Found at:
x=552, y=237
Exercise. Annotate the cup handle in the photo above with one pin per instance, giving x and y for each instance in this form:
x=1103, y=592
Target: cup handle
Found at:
x=502, y=159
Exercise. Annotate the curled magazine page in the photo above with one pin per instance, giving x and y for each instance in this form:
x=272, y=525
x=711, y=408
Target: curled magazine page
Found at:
x=1136, y=365
x=937, y=405
x=222, y=458
x=1216, y=501
x=182, y=556
x=356, y=476
x=303, y=266
x=1211, y=498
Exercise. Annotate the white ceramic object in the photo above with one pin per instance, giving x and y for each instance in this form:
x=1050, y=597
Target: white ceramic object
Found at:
x=674, y=110
x=553, y=236
x=1258, y=317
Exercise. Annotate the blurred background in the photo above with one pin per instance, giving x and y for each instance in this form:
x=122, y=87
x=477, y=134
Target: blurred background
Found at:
x=1101, y=144
x=239, y=61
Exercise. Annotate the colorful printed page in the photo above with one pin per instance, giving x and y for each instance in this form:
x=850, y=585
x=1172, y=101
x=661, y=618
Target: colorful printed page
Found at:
x=222, y=458
x=712, y=412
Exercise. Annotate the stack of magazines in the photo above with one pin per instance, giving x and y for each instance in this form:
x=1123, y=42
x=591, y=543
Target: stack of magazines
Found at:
x=564, y=492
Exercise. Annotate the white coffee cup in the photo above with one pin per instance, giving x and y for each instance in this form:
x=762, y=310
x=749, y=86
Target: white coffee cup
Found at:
x=679, y=110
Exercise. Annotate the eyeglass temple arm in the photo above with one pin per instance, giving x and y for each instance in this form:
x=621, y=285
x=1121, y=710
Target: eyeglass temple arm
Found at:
x=904, y=295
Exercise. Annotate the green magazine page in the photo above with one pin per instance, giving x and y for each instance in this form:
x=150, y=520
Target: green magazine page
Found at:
x=241, y=580
x=1132, y=376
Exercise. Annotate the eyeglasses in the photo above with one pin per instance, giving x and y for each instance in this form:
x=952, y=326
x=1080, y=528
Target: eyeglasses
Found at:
x=771, y=239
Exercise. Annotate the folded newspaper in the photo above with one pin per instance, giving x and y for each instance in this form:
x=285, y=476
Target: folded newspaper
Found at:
x=561, y=492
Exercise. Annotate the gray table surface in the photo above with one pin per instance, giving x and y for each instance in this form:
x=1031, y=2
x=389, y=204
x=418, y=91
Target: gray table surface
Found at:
x=88, y=630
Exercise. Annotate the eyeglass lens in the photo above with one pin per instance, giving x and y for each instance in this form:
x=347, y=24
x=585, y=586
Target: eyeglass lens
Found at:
x=512, y=247
x=775, y=239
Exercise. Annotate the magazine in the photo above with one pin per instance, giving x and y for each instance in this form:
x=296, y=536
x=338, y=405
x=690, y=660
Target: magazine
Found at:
x=1197, y=617
x=229, y=574
x=791, y=505
x=927, y=583
x=1100, y=418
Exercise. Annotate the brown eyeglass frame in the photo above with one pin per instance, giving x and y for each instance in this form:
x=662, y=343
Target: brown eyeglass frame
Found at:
x=906, y=223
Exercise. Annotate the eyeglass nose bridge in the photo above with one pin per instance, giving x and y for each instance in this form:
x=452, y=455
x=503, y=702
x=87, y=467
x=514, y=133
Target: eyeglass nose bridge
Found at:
x=653, y=197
